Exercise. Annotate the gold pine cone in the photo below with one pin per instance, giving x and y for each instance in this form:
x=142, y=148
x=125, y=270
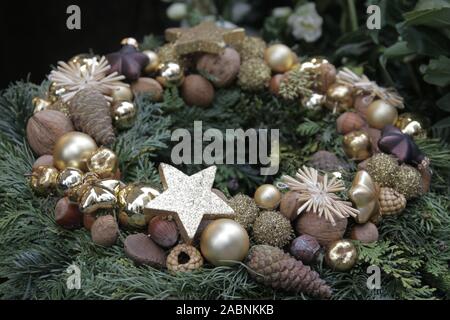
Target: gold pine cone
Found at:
x=175, y=263
x=391, y=202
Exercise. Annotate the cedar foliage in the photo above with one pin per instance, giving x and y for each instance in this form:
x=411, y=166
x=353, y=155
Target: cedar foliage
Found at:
x=413, y=251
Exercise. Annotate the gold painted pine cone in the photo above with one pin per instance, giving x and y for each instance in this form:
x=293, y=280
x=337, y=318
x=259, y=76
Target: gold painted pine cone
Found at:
x=391, y=202
x=193, y=259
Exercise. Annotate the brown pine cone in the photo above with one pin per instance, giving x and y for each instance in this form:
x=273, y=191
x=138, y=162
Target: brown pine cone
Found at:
x=184, y=258
x=391, y=202
x=275, y=268
x=90, y=113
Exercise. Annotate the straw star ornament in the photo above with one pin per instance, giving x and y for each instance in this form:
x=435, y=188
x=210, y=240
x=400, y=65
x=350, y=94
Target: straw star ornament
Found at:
x=189, y=199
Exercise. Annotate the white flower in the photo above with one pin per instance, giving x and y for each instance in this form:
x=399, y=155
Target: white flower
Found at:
x=281, y=12
x=177, y=11
x=306, y=23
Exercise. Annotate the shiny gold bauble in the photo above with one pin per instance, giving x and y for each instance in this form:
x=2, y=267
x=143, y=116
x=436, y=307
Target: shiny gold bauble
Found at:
x=70, y=178
x=132, y=200
x=95, y=197
x=339, y=97
x=124, y=114
x=357, y=145
x=55, y=92
x=279, y=58
x=413, y=125
x=381, y=114
x=122, y=93
x=341, y=255
x=103, y=162
x=364, y=194
x=40, y=104
x=171, y=74
x=73, y=150
x=267, y=197
x=153, y=64
x=130, y=42
x=314, y=102
x=85, y=59
x=44, y=179
x=224, y=242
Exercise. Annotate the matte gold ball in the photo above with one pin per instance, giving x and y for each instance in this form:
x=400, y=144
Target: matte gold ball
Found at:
x=267, y=197
x=381, y=114
x=339, y=97
x=279, y=57
x=103, y=162
x=413, y=125
x=70, y=178
x=153, y=64
x=224, y=242
x=122, y=93
x=73, y=150
x=341, y=255
x=170, y=75
x=44, y=179
x=357, y=145
x=124, y=114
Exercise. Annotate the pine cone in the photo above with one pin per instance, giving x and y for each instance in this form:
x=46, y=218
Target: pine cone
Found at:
x=391, y=202
x=193, y=257
x=91, y=114
x=273, y=267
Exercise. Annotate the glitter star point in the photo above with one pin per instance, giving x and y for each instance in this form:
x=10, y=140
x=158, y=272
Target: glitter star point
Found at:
x=189, y=199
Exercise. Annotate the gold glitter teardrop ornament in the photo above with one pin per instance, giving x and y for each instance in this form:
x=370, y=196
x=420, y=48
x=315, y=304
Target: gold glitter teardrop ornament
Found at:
x=364, y=195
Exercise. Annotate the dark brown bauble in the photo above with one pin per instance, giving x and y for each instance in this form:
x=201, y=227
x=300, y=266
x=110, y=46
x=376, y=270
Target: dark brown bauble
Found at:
x=426, y=175
x=45, y=160
x=305, y=248
x=289, y=205
x=366, y=233
x=88, y=220
x=320, y=228
x=348, y=122
x=221, y=69
x=326, y=161
x=275, y=82
x=143, y=251
x=105, y=231
x=326, y=77
x=45, y=128
x=91, y=114
x=148, y=86
x=164, y=231
x=362, y=103
x=197, y=91
x=67, y=214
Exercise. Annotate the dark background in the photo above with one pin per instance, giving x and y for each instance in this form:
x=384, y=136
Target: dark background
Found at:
x=34, y=35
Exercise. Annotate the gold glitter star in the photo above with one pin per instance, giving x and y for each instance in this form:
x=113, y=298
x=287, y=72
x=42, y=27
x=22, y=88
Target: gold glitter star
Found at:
x=188, y=199
x=206, y=37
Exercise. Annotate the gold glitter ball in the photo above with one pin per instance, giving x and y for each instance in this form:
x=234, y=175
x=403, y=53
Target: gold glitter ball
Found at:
x=188, y=199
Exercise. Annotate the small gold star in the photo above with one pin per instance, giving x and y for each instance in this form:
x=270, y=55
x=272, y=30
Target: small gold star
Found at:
x=188, y=199
x=206, y=37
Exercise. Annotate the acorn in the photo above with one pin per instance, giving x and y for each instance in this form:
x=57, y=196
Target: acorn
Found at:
x=318, y=227
x=67, y=214
x=289, y=205
x=221, y=69
x=197, y=91
x=148, y=86
x=45, y=160
x=366, y=233
x=163, y=230
x=105, y=231
x=305, y=248
x=45, y=128
x=348, y=122
x=88, y=220
x=143, y=251
x=274, y=86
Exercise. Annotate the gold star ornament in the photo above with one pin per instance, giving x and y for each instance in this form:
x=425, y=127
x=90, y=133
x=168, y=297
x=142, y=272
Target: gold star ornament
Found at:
x=206, y=37
x=188, y=199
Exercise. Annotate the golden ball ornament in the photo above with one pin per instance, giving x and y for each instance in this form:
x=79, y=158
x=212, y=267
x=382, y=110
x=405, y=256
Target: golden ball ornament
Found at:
x=44, y=179
x=84, y=59
x=171, y=74
x=103, y=162
x=130, y=42
x=122, y=93
x=153, y=64
x=280, y=58
x=381, y=114
x=339, y=97
x=73, y=150
x=40, y=104
x=341, y=255
x=224, y=242
x=124, y=114
x=413, y=125
x=357, y=145
x=55, y=92
x=69, y=178
x=267, y=197
x=133, y=199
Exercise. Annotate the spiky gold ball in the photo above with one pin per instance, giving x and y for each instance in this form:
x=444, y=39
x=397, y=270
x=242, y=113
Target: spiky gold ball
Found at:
x=273, y=229
x=252, y=47
x=254, y=75
x=407, y=180
x=382, y=168
x=246, y=210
